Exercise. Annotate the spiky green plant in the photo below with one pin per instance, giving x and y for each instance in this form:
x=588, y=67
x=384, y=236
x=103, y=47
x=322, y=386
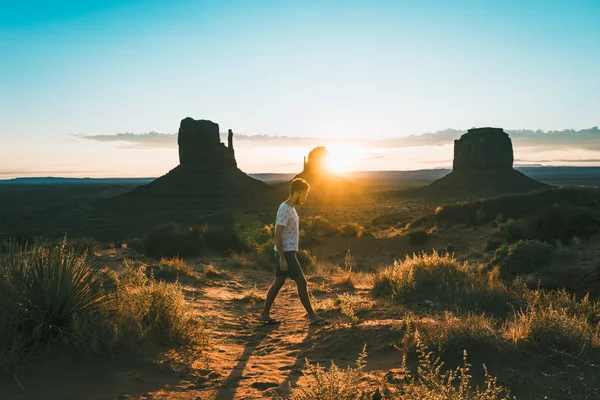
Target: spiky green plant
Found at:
x=52, y=283
x=42, y=289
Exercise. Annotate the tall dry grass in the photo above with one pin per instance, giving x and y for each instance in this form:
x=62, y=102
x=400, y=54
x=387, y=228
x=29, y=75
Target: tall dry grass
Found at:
x=48, y=292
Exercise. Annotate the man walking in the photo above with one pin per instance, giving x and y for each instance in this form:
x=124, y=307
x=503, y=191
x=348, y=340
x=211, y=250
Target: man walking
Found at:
x=287, y=235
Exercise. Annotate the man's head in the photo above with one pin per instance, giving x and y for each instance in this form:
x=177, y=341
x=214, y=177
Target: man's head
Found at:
x=299, y=191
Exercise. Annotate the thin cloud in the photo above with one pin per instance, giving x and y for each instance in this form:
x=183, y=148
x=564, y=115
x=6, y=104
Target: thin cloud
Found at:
x=585, y=139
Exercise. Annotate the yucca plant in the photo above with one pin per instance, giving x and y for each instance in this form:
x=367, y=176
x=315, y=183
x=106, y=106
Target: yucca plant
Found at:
x=49, y=285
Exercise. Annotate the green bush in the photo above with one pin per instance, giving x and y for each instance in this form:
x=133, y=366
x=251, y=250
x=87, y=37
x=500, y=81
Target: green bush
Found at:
x=42, y=290
x=512, y=206
x=85, y=244
x=522, y=257
x=175, y=240
x=223, y=240
x=563, y=223
x=418, y=237
x=492, y=243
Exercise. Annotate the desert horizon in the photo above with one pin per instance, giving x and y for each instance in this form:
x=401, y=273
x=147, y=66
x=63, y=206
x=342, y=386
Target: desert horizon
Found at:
x=273, y=199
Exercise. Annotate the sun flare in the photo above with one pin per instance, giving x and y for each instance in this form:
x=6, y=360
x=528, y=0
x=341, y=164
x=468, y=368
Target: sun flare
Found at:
x=341, y=158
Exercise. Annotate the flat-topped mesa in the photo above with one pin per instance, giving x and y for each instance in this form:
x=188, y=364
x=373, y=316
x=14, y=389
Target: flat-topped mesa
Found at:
x=200, y=145
x=483, y=149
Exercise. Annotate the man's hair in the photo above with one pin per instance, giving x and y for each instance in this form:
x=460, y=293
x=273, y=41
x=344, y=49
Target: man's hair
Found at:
x=299, y=185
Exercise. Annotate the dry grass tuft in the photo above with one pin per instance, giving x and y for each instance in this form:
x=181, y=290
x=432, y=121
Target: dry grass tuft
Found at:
x=430, y=382
x=49, y=292
x=350, y=305
x=557, y=321
x=444, y=280
x=211, y=273
x=172, y=270
x=252, y=296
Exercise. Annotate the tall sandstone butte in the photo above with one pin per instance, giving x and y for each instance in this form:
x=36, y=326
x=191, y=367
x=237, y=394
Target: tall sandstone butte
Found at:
x=200, y=144
x=325, y=184
x=483, y=149
x=207, y=173
x=482, y=167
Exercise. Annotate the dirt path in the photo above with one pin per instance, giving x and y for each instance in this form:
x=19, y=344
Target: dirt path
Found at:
x=246, y=361
x=254, y=361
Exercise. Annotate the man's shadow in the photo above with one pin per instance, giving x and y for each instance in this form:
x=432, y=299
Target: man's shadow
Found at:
x=295, y=370
x=230, y=385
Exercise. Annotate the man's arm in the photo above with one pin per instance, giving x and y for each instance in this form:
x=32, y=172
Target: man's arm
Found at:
x=279, y=244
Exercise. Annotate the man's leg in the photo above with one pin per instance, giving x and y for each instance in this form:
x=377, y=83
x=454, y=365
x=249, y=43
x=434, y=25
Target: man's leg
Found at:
x=302, y=286
x=271, y=295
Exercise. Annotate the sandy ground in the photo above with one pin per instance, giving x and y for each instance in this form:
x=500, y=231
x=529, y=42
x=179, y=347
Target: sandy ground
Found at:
x=247, y=360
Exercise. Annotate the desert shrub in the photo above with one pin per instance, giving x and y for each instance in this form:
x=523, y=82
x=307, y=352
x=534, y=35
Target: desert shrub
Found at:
x=350, y=305
x=522, y=257
x=563, y=223
x=556, y=320
x=306, y=259
x=335, y=383
x=173, y=240
x=142, y=311
x=492, y=243
x=156, y=310
x=512, y=206
x=441, y=278
x=264, y=235
x=319, y=226
x=223, y=240
x=176, y=240
x=351, y=230
x=252, y=295
x=42, y=289
x=423, y=274
x=85, y=244
x=171, y=269
x=453, y=333
x=212, y=272
x=347, y=277
x=389, y=220
x=418, y=237
x=513, y=230
x=309, y=239
x=136, y=244
x=9, y=243
x=241, y=260
x=432, y=382
x=49, y=292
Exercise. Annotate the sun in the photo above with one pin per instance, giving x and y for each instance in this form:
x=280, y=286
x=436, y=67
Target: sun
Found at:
x=340, y=159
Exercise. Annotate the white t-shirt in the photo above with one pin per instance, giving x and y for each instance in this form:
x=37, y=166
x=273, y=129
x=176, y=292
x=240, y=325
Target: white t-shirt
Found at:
x=288, y=217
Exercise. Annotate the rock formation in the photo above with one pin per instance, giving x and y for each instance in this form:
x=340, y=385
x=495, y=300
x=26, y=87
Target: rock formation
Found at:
x=324, y=183
x=482, y=167
x=200, y=145
x=483, y=149
x=317, y=162
x=207, y=175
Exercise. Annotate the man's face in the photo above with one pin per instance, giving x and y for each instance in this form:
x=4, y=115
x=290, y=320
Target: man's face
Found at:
x=301, y=197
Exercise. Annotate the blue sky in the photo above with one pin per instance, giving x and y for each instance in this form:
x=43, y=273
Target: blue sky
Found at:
x=319, y=69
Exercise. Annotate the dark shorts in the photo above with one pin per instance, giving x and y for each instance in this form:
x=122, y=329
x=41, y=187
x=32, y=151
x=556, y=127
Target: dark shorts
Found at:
x=294, y=270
